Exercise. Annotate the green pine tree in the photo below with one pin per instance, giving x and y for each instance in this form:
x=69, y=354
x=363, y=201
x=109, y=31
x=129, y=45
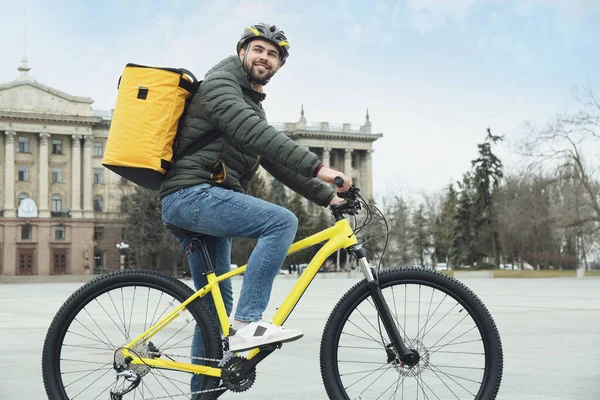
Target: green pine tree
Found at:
x=487, y=176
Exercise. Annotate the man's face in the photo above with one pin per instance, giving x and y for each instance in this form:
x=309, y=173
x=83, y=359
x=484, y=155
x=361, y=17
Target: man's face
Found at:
x=262, y=61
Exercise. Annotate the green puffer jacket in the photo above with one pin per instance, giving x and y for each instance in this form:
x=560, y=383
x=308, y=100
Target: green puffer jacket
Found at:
x=227, y=113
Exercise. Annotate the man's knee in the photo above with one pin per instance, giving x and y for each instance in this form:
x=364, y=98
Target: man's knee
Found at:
x=289, y=220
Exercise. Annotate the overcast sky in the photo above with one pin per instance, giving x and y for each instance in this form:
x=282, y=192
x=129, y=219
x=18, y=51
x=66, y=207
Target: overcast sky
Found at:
x=433, y=73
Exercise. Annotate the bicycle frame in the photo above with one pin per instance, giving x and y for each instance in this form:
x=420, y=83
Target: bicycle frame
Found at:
x=336, y=237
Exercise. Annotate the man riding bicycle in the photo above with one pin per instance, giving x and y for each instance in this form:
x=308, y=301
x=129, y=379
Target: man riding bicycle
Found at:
x=205, y=190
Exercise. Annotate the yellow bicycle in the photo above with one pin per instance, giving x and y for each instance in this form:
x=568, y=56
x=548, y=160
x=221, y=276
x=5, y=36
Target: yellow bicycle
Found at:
x=398, y=333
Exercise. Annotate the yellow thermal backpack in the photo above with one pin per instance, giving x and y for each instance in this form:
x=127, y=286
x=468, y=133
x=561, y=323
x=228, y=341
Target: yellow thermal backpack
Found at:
x=150, y=103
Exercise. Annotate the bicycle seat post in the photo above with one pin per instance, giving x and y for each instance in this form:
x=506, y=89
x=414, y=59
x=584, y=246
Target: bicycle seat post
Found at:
x=207, y=264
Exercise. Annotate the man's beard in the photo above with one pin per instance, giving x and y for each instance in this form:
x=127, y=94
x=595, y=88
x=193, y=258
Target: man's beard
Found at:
x=263, y=78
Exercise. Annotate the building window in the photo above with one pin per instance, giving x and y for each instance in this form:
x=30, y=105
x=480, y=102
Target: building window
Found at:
x=98, y=204
x=98, y=149
x=98, y=176
x=98, y=232
x=59, y=233
x=22, y=197
x=26, y=232
x=56, y=175
x=56, y=203
x=56, y=146
x=23, y=145
x=23, y=174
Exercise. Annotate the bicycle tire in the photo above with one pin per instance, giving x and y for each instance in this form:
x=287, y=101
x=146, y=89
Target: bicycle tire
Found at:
x=464, y=296
x=51, y=354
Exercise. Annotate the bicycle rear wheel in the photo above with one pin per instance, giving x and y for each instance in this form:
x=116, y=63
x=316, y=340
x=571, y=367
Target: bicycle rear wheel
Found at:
x=86, y=334
x=449, y=327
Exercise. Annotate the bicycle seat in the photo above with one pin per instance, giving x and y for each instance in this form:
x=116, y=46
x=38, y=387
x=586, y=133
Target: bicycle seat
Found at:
x=185, y=232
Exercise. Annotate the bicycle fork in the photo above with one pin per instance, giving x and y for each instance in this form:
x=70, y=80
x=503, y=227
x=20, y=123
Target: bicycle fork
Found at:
x=408, y=357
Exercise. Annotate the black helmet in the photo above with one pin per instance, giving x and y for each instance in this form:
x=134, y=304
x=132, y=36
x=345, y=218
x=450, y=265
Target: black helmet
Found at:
x=267, y=32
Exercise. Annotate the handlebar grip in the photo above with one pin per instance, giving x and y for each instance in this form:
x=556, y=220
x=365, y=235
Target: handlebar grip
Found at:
x=339, y=181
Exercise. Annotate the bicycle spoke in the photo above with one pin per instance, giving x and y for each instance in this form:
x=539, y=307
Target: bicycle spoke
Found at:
x=131, y=314
x=378, y=369
x=161, y=315
x=455, y=325
x=419, y=314
x=369, y=322
x=146, y=315
x=445, y=315
x=175, y=344
x=117, y=311
x=109, y=342
x=389, y=387
x=171, y=382
x=92, y=384
x=173, y=335
x=383, y=373
x=96, y=370
x=451, y=378
x=84, y=347
x=454, y=376
x=441, y=380
x=124, y=316
x=362, y=372
x=425, y=383
x=419, y=380
x=441, y=347
x=455, y=344
x=110, y=317
x=362, y=330
x=155, y=310
x=427, y=318
x=94, y=340
x=360, y=337
x=402, y=331
x=359, y=348
x=156, y=379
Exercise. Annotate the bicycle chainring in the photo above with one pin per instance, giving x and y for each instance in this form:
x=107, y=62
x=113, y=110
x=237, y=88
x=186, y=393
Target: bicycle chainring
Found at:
x=231, y=377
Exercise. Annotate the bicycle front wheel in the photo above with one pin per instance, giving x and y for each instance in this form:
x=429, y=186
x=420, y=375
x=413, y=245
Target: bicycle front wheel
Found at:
x=459, y=348
x=84, y=339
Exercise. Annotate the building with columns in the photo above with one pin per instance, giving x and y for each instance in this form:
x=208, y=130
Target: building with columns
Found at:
x=60, y=208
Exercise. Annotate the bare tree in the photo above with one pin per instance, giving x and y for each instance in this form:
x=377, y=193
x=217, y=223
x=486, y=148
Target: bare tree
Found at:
x=568, y=147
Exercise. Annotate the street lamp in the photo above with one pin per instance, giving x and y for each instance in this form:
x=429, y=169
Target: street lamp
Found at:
x=122, y=251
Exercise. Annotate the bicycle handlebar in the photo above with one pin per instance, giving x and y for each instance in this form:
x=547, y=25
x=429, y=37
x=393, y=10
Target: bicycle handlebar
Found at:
x=351, y=205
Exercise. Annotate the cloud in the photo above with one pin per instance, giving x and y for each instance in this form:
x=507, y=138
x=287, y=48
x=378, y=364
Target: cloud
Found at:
x=453, y=9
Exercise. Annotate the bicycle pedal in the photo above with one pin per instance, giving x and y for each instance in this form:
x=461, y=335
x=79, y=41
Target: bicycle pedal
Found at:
x=271, y=347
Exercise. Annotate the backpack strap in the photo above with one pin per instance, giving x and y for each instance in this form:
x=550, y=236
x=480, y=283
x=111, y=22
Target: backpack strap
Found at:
x=187, y=85
x=209, y=137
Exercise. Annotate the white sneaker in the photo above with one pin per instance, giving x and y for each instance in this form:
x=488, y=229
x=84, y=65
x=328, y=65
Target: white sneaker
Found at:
x=260, y=333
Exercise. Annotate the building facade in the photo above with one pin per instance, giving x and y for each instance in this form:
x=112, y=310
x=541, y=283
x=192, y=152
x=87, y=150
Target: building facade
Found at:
x=60, y=208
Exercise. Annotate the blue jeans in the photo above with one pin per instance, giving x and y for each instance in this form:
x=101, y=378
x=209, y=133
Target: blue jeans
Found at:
x=224, y=214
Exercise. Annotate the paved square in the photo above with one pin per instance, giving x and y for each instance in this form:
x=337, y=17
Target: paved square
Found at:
x=550, y=330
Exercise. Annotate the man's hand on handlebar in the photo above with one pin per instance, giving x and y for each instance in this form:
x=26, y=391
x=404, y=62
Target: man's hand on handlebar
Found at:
x=336, y=199
x=328, y=175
